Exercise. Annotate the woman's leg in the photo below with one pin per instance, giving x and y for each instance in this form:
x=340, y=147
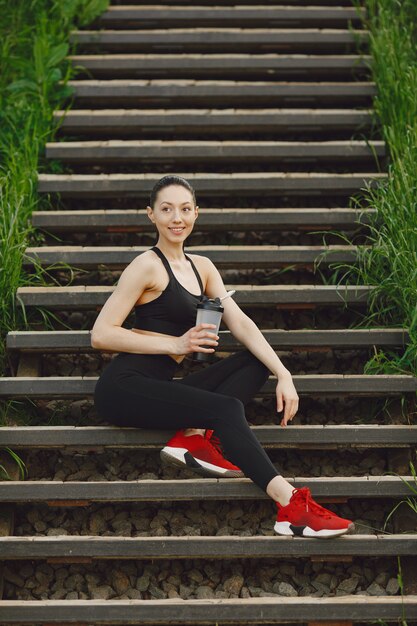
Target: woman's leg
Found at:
x=145, y=402
x=130, y=398
x=240, y=375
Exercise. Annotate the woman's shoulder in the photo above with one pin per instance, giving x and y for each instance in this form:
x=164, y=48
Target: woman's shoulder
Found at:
x=146, y=258
x=145, y=263
x=202, y=260
x=202, y=263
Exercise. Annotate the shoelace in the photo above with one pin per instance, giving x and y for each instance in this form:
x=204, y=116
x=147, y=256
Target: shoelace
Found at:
x=304, y=494
x=215, y=441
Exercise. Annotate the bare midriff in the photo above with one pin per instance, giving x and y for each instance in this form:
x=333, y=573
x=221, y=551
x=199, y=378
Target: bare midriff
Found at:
x=177, y=357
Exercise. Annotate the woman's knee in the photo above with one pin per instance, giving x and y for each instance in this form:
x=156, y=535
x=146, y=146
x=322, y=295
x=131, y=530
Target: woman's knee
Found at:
x=231, y=411
x=234, y=405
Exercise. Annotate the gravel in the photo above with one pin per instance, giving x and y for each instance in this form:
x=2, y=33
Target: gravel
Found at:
x=116, y=465
x=205, y=518
x=190, y=579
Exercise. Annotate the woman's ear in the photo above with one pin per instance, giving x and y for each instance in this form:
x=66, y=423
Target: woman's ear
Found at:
x=149, y=212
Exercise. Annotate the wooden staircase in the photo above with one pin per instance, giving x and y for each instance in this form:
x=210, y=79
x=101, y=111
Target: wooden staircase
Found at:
x=266, y=110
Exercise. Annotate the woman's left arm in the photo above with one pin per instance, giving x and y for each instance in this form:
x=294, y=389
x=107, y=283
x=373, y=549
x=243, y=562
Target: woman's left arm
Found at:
x=246, y=331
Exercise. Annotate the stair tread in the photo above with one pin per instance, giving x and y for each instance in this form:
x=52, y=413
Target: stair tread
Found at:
x=269, y=435
x=256, y=39
x=143, y=12
x=311, y=384
x=257, y=546
x=232, y=114
x=233, y=219
x=77, y=339
x=91, y=296
x=210, y=120
x=214, y=90
x=220, y=63
x=213, y=184
x=121, y=149
x=99, y=36
x=224, y=256
x=183, y=143
x=191, y=249
x=215, y=176
x=365, y=85
x=247, y=610
x=215, y=58
x=197, y=488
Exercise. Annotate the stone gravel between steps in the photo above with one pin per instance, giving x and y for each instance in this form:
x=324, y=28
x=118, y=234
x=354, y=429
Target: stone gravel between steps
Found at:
x=196, y=579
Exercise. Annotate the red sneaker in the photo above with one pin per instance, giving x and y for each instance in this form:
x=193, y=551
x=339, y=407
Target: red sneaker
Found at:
x=306, y=518
x=201, y=454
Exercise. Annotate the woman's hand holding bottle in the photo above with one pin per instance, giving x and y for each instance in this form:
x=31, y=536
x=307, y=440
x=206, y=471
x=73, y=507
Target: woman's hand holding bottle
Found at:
x=191, y=340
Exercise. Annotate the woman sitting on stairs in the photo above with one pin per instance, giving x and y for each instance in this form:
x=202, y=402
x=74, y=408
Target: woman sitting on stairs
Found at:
x=137, y=388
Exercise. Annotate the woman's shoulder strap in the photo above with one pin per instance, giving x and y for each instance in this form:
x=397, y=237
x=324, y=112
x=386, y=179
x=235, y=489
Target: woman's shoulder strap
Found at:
x=163, y=259
x=200, y=282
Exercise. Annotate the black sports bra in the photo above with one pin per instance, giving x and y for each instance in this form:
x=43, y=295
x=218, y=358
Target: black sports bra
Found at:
x=174, y=311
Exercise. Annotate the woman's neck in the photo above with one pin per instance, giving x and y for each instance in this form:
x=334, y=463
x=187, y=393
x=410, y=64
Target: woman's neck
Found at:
x=174, y=253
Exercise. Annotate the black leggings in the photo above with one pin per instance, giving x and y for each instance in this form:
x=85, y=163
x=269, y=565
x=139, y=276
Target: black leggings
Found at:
x=138, y=390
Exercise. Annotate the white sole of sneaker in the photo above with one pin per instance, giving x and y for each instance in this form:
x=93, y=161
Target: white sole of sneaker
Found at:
x=183, y=457
x=285, y=528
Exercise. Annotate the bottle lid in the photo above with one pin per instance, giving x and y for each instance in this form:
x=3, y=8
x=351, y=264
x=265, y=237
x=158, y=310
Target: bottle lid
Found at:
x=212, y=304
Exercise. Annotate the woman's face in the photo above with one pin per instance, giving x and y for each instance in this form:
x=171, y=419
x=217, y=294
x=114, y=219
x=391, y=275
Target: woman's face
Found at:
x=174, y=212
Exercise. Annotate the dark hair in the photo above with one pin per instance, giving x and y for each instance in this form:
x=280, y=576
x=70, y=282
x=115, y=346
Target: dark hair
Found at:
x=166, y=181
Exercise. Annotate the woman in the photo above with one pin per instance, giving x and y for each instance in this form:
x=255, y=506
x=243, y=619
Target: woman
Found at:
x=137, y=387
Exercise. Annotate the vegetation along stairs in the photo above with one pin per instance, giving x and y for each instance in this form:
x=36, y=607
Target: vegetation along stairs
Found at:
x=266, y=110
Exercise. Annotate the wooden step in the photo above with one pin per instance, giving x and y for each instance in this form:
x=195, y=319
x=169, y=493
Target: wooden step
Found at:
x=308, y=296
x=209, y=184
x=209, y=220
x=355, y=608
x=225, y=93
x=204, y=66
x=191, y=121
x=218, y=152
x=111, y=437
x=224, y=257
x=221, y=547
x=248, y=17
x=335, y=385
x=269, y=3
x=194, y=489
x=80, y=340
x=254, y=40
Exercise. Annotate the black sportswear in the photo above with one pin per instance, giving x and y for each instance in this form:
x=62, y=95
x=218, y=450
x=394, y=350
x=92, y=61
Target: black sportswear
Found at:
x=174, y=311
x=139, y=390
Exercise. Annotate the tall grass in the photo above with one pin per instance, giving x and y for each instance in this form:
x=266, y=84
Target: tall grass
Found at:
x=390, y=263
x=33, y=83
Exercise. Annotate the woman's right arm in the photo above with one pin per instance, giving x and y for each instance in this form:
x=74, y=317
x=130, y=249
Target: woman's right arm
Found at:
x=107, y=332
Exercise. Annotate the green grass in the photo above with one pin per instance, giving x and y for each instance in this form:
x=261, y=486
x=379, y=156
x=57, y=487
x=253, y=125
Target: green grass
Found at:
x=390, y=263
x=4, y=474
x=33, y=83
x=411, y=502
